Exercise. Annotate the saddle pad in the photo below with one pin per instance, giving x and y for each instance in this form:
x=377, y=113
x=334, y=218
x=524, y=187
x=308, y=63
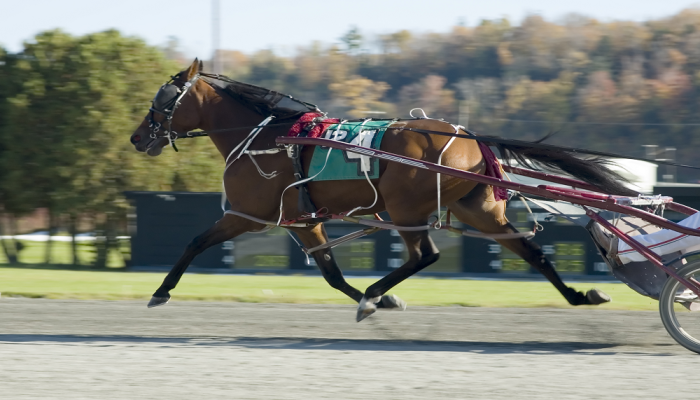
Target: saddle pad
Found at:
x=344, y=165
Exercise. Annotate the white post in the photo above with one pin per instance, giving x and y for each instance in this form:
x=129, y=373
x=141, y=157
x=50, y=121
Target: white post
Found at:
x=670, y=169
x=651, y=151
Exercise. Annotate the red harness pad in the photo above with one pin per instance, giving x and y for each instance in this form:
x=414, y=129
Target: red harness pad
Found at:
x=493, y=169
x=316, y=131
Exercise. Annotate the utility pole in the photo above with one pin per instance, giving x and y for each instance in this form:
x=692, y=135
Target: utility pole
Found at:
x=215, y=37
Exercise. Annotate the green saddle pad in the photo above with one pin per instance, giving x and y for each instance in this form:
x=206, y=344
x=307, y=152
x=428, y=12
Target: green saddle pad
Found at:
x=343, y=165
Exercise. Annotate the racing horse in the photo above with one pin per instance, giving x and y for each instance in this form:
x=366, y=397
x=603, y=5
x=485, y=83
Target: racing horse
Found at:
x=193, y=100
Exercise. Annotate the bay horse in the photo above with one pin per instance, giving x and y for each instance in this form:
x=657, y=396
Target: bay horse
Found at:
x=408, y=194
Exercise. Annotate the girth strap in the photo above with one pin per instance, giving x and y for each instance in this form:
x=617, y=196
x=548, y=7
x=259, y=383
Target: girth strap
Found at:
x=304, y=204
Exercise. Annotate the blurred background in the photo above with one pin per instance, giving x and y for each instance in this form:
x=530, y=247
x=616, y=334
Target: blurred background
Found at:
x=76, y=78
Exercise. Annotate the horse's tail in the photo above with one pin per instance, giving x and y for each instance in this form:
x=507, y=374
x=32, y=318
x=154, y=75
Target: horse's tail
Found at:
x=591, y=170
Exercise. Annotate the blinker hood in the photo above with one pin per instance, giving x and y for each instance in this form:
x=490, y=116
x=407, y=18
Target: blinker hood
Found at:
x=165, y=97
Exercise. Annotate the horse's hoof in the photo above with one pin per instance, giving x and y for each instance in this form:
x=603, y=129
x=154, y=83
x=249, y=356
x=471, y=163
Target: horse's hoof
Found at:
x=158, y=301
x=597, y=296
x=366, y=308
x=393, y=302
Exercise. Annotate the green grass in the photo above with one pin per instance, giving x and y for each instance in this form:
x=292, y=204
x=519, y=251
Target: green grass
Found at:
x=34, y=253
x=107, y=285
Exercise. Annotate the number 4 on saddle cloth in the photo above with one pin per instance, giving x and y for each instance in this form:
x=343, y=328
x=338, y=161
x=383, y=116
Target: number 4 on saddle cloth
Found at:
x=327, y=164
x=342, y=165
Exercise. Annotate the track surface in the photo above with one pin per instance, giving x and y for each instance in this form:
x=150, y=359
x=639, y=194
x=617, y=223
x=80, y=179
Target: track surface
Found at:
x=51, y=349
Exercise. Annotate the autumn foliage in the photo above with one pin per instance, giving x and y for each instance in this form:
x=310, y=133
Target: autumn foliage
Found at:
x=68, y=104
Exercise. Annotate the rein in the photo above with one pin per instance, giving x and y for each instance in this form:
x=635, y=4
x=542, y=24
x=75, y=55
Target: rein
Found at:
x=516, y=142
x=472, y=136
x=174, y=102
x=168, y=107
x=222, y=78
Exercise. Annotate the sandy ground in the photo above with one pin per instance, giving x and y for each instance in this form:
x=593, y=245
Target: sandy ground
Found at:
x=53, y=349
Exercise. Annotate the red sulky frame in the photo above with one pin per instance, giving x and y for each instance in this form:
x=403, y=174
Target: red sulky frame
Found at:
x=589, y=197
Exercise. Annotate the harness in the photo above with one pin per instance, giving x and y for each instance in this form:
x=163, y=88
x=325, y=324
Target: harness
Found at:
x=167, y=100
x=305, y=204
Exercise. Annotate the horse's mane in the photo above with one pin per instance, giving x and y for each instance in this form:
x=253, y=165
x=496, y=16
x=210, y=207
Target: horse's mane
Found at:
x=264, y=101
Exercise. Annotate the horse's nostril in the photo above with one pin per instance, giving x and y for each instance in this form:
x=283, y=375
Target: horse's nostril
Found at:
x=135, y=139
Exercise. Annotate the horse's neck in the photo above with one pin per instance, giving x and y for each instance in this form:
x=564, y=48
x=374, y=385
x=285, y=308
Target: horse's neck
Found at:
x=225, y=113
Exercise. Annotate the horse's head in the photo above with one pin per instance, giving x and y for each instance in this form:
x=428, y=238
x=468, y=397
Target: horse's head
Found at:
x=162, y=124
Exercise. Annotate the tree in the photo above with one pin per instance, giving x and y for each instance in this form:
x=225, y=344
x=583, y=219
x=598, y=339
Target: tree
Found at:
x=8, y=88
x=67, y=149
x=430, y=95
x=397, y=42
x=173, y=51
x=269, y=70
x=360, y=95
x=235, y=63
x=352, y=40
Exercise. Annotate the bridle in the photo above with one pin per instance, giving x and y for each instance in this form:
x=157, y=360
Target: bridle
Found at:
x=166, y=107
x=168, y=98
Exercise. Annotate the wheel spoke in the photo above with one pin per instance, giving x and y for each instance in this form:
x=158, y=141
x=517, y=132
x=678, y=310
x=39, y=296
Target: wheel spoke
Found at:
x=679, y=308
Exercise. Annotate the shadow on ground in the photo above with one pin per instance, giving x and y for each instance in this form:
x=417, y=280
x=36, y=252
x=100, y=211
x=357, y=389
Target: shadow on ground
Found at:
x=482, y=347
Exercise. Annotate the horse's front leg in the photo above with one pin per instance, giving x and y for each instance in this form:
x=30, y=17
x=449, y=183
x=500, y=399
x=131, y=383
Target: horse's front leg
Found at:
x=421, y=253
x=225, y=229
x=316, y=236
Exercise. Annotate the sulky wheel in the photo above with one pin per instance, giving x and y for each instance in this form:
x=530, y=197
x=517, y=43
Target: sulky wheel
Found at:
x=680, y=309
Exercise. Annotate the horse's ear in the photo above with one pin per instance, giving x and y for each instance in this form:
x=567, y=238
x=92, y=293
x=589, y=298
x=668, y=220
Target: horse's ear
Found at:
x=193, y=69
x=201, y=65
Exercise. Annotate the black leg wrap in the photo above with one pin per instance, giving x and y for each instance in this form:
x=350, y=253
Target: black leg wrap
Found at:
x=575, y=298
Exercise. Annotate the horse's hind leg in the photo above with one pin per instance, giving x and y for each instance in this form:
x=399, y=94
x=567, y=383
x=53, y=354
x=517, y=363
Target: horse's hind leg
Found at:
x=480, y=210
x=224, y=229
x=316, y=236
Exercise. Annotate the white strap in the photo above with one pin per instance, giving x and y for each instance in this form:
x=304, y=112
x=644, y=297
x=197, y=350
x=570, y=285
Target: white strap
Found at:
x=245, y=143
x=264, y=152
x=376, y=195
x=438, y=223
x=262, y=173
x=279, y=220
x=421, y=110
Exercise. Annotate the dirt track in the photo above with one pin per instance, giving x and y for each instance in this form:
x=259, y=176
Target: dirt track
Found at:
x=187, y=350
